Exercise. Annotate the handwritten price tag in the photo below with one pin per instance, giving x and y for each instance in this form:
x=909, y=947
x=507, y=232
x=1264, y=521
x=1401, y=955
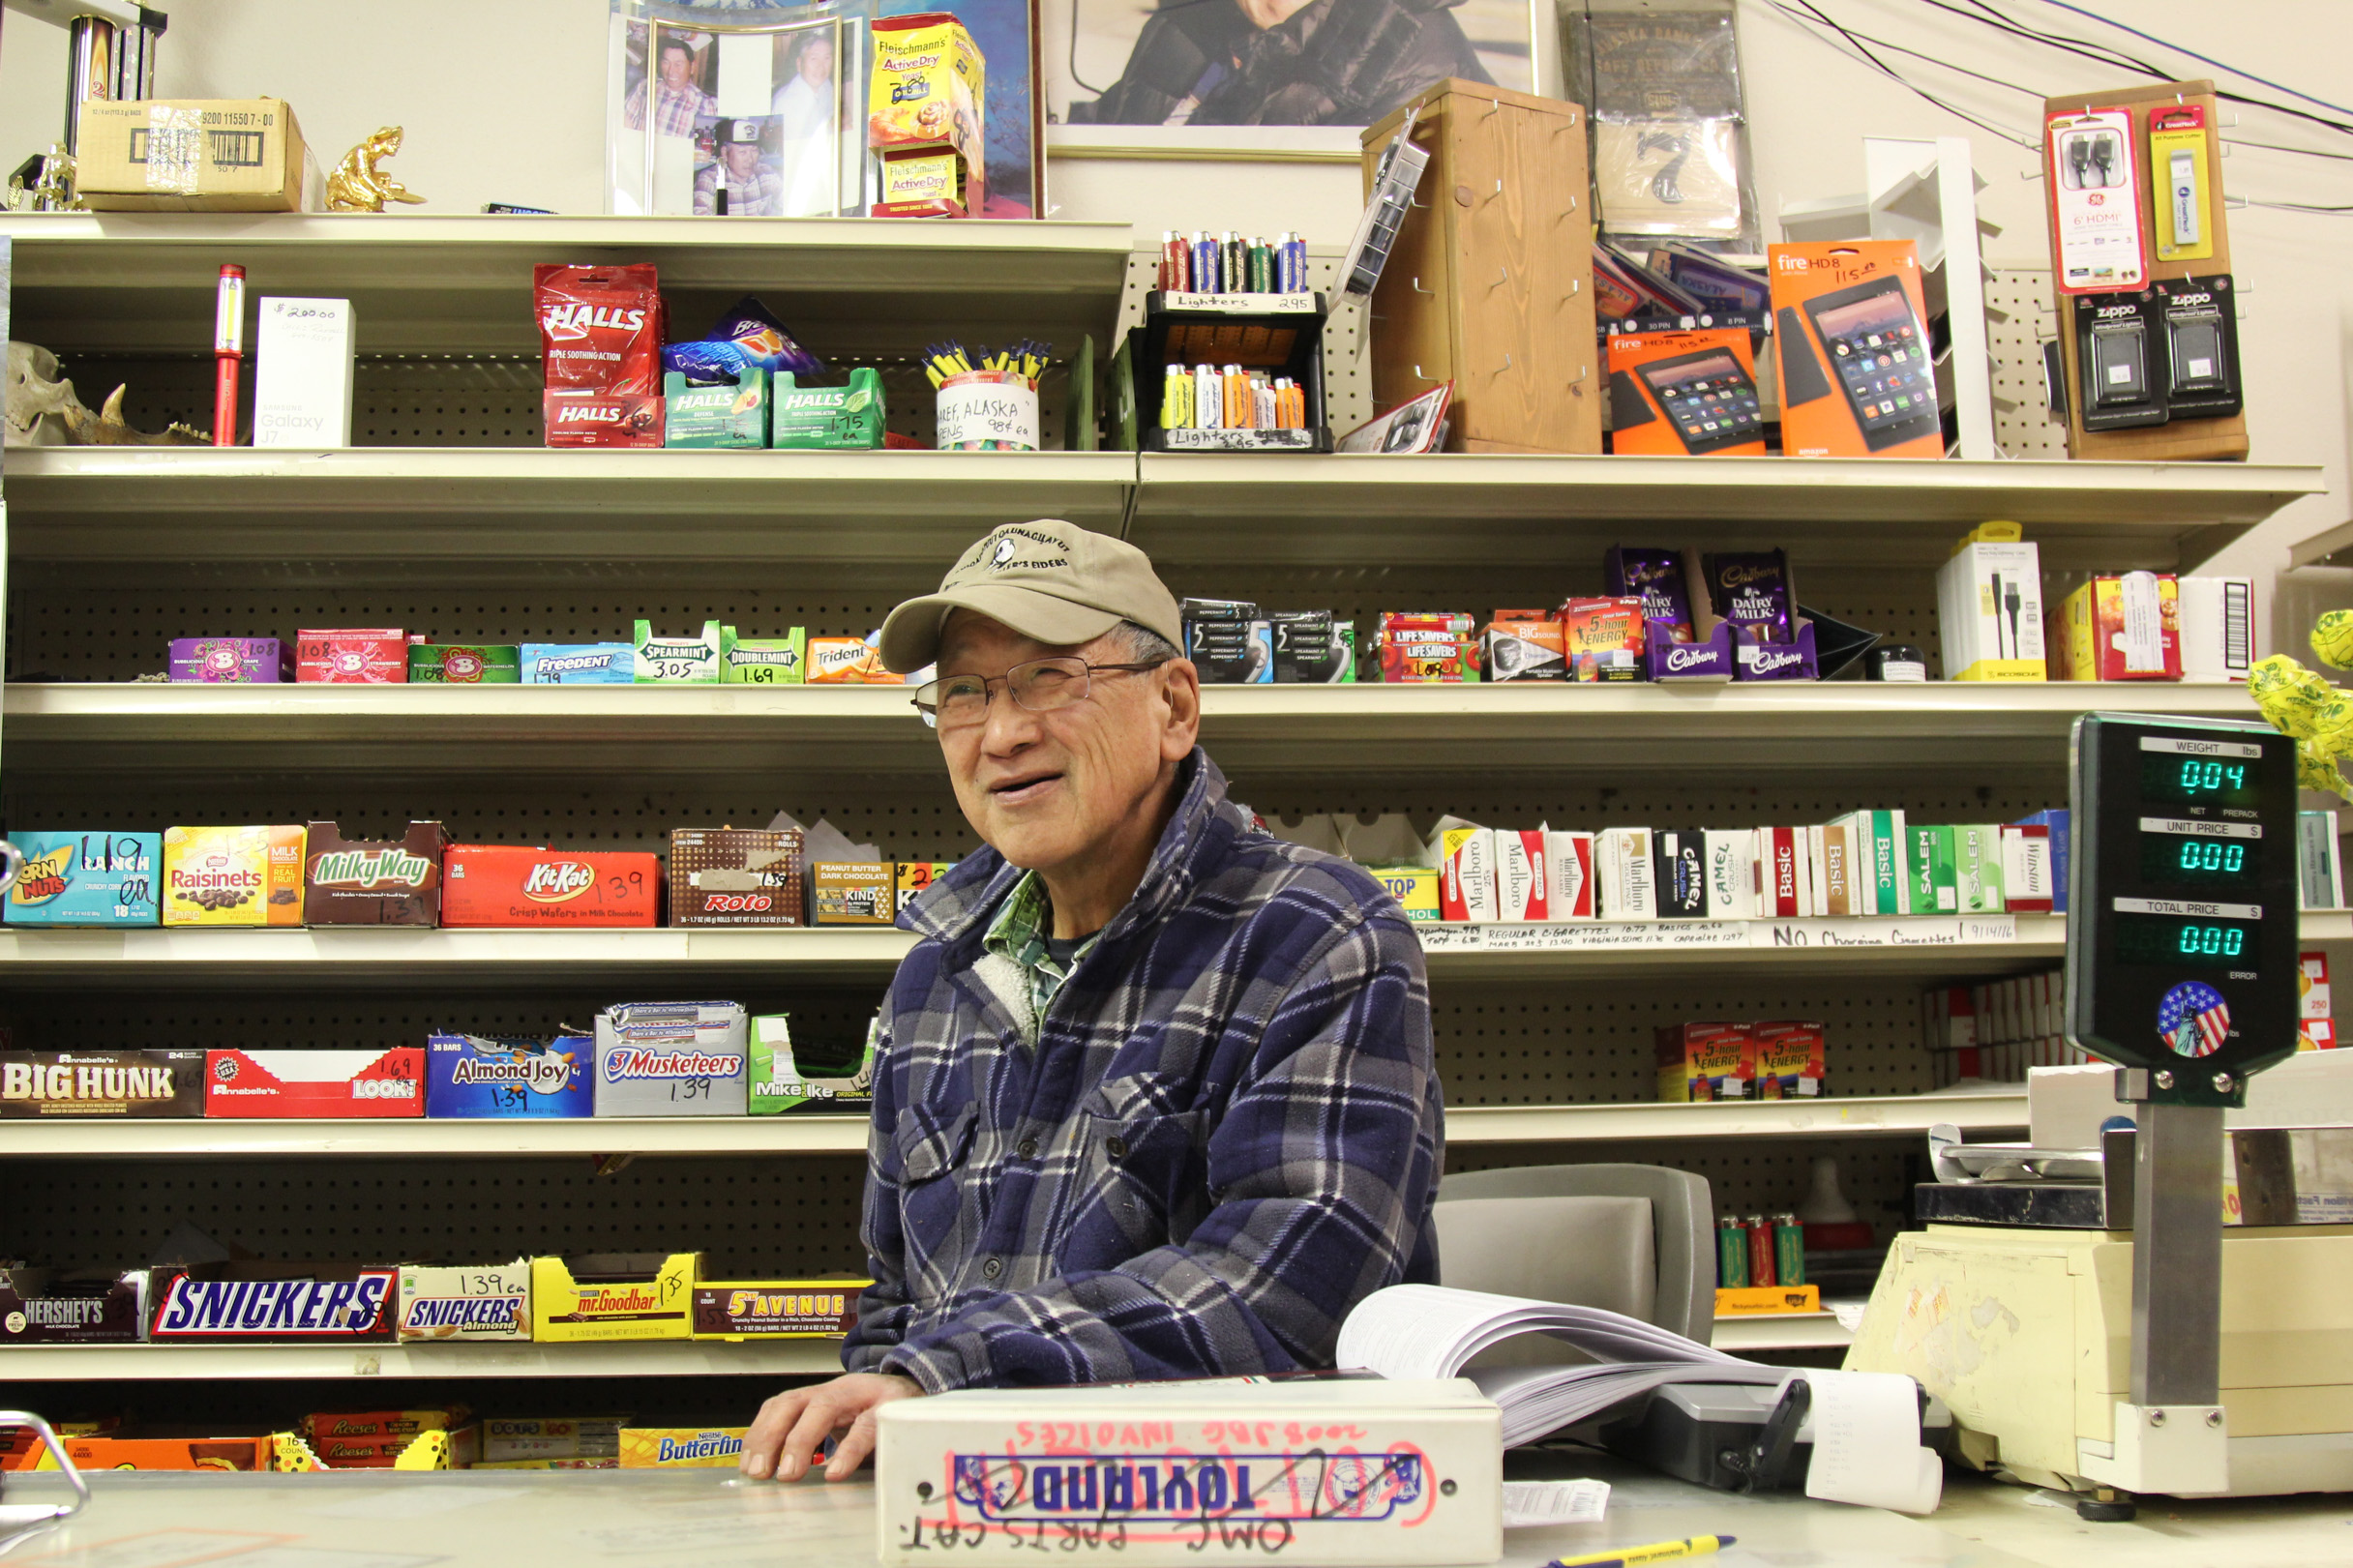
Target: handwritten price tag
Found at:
x=984, y=413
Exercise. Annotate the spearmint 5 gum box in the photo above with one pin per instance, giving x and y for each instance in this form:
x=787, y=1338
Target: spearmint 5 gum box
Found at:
x=672, y=1060
x=477, y=1074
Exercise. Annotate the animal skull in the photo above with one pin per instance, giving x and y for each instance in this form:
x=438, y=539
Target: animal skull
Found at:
x=43, y=410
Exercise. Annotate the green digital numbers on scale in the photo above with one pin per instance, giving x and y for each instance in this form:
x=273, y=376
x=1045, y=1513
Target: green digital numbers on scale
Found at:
x=2181, y=933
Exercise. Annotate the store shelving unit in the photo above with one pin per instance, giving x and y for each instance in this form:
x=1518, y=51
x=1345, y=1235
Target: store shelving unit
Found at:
x=645, y=1358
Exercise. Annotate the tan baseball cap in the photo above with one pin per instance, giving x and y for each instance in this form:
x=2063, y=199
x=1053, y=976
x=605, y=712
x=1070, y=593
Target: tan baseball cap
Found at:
x=1050, y=580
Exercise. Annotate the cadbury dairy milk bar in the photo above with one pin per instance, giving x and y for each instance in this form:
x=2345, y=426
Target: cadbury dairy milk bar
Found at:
x=1752, y=588
x=1656, y=577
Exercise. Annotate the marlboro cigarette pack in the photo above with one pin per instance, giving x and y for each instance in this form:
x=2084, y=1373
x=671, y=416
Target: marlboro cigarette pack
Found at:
x=1466, y=872
x=1622, y=862
x=1568, y=875
x=1519, y=875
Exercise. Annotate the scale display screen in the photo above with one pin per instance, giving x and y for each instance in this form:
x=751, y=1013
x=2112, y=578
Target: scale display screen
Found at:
x=2170, y=941
x=2219, y=780
x=2201, y=858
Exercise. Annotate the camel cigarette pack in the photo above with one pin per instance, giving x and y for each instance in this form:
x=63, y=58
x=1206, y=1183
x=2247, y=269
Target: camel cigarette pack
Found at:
x=478, y=1074
x=233, y=876
x=1785, y=1060
x=779, y=1083
x=107, y=1085
x=258, y=1302
x=766, y=661
x=1731, y=856
x=506, y=885
x=1681, y=880
x=1704, y=1061
x=230, y=660
x=40, y=1306
x=492, y=1302
x=853, y=893
x=372, y=882
x=373, y=655
x=302, y=1084
x=96, y=879
x=672, y=1060
x=681, y=1448
x=681, y=661
x=777, y=1309
x=736, y=876
x=614, y=1296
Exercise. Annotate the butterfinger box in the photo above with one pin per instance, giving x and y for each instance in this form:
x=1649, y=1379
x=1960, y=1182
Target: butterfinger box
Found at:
x=681, y=1448
x=503, y=885
x=272, y=1302
x=777, y=1309
x=333, y=1084
x=96, y=879
x=736, y=876
x=40, y=1306
x=672, y=1060
x=1704, y=1061
x=372, y=882
x=486, y=1302
x=614, y=1296
x=102, y=1083
x=372, y=656
x=233, y=876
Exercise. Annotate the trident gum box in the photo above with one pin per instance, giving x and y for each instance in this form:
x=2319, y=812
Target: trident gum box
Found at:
x=492, y=1302
x=777, y=1309
x=233, y=876
x=315, y=1083
x=372, y=882
x=108, y=1084
x=101, y=878
x=257, y=1302
x=40, y=1306
x=736, y=876
x=373, y=655
x=475, y=1075
x=672, y=1060
x=614, y=1296
x=502, y=885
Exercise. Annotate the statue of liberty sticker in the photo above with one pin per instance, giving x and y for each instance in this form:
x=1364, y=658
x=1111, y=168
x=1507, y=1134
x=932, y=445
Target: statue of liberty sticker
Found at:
x=2194, y=1018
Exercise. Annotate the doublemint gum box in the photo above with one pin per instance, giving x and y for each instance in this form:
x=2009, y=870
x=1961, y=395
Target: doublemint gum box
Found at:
x=681, y=660
x=732, y=414
x=101, y=878
x=780, y=1083
x=464, y=664
x=766, y=661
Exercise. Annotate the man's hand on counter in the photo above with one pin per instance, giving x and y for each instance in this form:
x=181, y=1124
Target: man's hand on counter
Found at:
x=789, y=1427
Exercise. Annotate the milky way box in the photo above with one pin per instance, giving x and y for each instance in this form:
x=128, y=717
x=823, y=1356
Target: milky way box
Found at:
x=102, y=1083
x=373, y=882
x=40, y=1306
x=476, y=1075
x=230, y=661
x=257, y=1302
x=315, y=1083
x=734, y=877
x=99, y=878
x=672, y=1060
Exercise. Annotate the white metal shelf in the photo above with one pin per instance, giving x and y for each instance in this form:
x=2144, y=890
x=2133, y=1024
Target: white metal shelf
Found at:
x=126, y=728
x=1792, y=1331
x=645, y=1358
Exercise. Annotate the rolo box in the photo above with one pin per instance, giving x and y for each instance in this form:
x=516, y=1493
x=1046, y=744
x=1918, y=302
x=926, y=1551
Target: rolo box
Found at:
x=504, y=885
x=736, y=876
x=101, y=878
x=777, y=1309
x=107, y=1085
x=267, y=1303
x=482, y=1303
x=333, y=1084
x=372, y=882
x=233, y=876
x=614, y=1296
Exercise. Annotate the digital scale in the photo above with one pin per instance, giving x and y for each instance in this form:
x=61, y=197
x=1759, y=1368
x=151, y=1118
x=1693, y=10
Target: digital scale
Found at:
x=2079, y=1311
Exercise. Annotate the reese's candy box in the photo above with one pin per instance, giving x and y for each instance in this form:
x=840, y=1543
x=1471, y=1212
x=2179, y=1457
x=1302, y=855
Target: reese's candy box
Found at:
x=398, y=1426
x=372, y=882
x=454, y=1448
x=777, y=1309
x=265, y=1302
x=102, y=1083
x=614, y=1296
x=92, y=879
x=486, y=1302
x=309, y=1084
x=736, y=876
x=233, y=876
x=40, y=1306
x=505, y=885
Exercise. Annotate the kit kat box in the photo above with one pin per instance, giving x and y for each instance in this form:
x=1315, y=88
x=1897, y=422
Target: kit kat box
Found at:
x=40, y=1306
x=106, y=1084
x=372, y=882
x=265, y=1302
x=315, y=1083
x=502, y=885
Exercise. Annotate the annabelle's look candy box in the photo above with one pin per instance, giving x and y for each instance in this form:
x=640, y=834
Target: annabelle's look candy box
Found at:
x=315, y=1083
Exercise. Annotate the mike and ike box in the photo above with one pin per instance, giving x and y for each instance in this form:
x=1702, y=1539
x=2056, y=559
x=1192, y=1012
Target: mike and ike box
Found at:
x=502, y=885
x=614, y=1296
x=89, y=878
x=1851, y=340
x=233, y=876
x=102, y=1085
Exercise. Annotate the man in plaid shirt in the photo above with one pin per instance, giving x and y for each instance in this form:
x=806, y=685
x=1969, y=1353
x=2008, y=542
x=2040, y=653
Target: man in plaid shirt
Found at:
x=678, y=102
x=1155, y=1098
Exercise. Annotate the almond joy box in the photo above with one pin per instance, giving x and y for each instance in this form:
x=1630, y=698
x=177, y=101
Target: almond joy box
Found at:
x=372, y=882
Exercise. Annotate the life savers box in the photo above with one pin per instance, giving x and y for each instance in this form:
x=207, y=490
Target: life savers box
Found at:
x=233, y=876
x=97, y=878
x=777, y=1309
x=736, y=876
x=272, y=1303
x=614, y=1296
x=672, y=1060
x=40, y=1306
x=480, y=1075
x=331, y=1084
x=504, y=885
x=492, y=1302
x=102, y=1083
x=372, y=882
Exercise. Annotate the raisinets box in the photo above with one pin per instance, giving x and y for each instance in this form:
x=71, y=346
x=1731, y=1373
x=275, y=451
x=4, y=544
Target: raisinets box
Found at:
x=373, y=882
x=476, y=1075
x=503, y=885
x=102, y=1083
x=233, y=876
x=97, y=878
x=672, y=1060
x=736, y=876
x=315, y=1083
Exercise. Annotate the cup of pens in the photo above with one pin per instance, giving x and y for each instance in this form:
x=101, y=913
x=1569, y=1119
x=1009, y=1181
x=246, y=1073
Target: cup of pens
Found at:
x=992, y=407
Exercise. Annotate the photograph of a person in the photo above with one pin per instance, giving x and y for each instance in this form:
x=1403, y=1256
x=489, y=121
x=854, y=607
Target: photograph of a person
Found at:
x=678, y=78
x=1273, y=62
x=736, y=161
x=806, y=112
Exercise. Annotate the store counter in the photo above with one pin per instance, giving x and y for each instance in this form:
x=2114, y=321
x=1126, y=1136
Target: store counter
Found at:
x=713, y=1519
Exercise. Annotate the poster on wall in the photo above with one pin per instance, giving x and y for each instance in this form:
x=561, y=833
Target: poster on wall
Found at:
x=758, y=109
x=1179, y=65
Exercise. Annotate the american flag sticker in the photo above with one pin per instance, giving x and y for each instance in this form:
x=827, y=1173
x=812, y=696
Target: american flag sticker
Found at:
x=2194, y=1018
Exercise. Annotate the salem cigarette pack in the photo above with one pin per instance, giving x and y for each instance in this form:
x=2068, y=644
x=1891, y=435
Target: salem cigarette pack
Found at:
x=614, y=1296
x=89, y=878
x=315, y=1083
x=777, y=1309
x=672, y=1060
x=736, y=876
x=106, y=1084
x=488, y=1302
x=1704, y=1061
x=40, y=1306
x=477, y=1074
x=233, y=876
x=1977, y=863
x=372, y=656
x=503, y=885
x=269, y=1302
x=372, y=882
x=1928, y=870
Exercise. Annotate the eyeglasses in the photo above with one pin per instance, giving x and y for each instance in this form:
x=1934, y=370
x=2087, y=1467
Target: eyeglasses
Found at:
x=1040, y=686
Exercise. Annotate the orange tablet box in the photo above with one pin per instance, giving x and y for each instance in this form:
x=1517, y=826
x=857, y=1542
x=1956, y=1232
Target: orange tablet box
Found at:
x=1686, y=394
x=1851, y=340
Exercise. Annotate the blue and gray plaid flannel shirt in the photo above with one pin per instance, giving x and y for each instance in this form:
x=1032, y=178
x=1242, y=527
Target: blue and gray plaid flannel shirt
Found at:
x=1228, y=1134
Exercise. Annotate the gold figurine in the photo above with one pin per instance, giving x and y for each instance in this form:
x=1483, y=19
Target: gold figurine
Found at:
x=358, y=186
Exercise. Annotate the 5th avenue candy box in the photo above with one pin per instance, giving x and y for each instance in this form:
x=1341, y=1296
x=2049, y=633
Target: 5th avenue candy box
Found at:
x=97, y=879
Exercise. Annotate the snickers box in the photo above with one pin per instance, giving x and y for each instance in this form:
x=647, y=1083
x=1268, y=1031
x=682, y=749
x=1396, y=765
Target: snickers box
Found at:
x=736, y=876
x=492, y=1302
x=614, y=1296
x=272, y=1303
x=100, y=879
x=777, y=1309
x=107, y=1085
x=478, y=1075
x=501, y=885
x=40, y=1306
x=672, y=1060
x=371, y=882
x=331, y=1084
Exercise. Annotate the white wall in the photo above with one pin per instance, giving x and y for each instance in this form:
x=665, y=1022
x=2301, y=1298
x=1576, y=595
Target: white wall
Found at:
x=503, y=100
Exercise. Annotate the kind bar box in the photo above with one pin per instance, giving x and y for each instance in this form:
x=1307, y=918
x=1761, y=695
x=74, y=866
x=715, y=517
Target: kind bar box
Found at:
x=230, y=660
x=233, y=876
x=40, y=1306
x=916, y=879
x=486, y=1302
x=782, y=1084
x=853, y=893
x=1704, y=1061
x=94, y=878
x=372, y=657
x=372, y=882
x=614, y=1296
x=464, y=664
x=272, y=1303
x=499, y=885
x=681, y=661
x=1785, y=1060
x=102, y=1083
x=736, y=876
x=579, y=664
x=333, y=1084
x=221, y=155
x=476, y=1075
x=672, y=1060
x=777, y=1309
